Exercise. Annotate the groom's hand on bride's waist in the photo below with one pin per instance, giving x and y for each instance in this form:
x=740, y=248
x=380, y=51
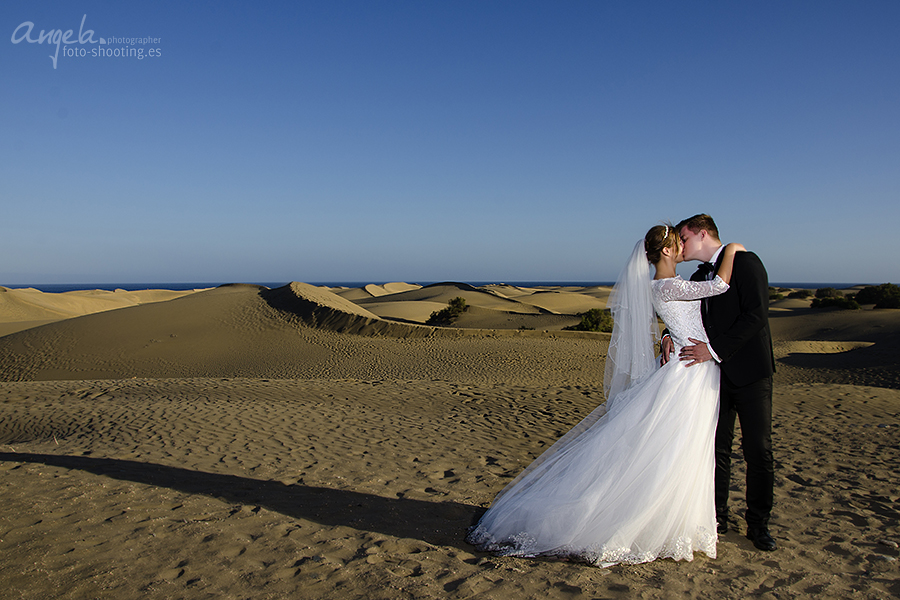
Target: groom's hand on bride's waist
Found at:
x=696, y=354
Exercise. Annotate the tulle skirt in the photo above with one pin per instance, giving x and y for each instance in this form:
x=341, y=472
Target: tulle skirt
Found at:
x=631, y=483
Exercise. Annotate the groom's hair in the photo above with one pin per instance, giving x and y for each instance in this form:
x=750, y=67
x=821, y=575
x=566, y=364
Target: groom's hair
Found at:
x=698, y=222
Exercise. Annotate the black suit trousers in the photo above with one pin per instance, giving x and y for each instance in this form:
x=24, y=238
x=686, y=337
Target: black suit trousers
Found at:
x=752, y=405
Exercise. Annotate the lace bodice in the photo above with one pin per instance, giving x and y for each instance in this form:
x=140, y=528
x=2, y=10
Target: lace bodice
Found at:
x=677, y=302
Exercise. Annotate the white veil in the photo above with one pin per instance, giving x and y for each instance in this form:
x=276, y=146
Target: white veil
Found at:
x=631, y=353
x=635, y=332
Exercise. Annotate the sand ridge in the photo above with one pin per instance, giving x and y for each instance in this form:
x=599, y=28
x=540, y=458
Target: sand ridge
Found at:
x=23, y=308
x=294, y=331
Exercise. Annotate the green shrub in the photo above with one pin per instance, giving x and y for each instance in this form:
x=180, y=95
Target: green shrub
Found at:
x=800, y=294
x=840, y=302
x=446, y=316
x=594, y=320
x=886, y=295
x=776, y=296
x=458, y=305
x=828, y=292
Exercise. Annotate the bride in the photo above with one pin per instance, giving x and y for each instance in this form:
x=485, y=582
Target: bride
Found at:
x=633, y=481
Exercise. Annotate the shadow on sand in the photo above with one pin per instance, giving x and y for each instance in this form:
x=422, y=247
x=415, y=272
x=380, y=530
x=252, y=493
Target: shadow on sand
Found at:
x=438, y=523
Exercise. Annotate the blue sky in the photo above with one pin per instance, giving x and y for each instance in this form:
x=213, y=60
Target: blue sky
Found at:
x=445, y=140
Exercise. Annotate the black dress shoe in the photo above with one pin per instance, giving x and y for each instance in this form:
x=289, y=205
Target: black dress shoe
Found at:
x=722, y=527
x=761, y=538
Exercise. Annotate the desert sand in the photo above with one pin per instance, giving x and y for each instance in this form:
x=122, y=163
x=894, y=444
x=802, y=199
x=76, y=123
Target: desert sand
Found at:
x=306, y=442
x=25, y=308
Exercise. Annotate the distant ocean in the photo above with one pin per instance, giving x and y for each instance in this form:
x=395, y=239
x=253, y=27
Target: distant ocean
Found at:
x=70, y=287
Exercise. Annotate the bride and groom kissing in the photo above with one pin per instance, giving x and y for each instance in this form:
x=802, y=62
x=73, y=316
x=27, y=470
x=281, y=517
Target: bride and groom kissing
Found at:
x=647, y=474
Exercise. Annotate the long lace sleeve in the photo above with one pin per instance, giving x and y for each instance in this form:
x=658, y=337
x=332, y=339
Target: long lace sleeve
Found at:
x=679, y=289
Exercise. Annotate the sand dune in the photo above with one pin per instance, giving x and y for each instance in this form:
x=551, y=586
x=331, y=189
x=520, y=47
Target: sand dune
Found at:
x=390, y=288
x=560, y=300
x=496, y=306
x=405, y=311
x=296, y=443
x=297, y=331
x=487, y=318
x=291, y=331
x=508, y=291
x=317, y=307
x=351, y=294
x=23, y=308
x=491, y=307
x=442, y=293
x=563, y=302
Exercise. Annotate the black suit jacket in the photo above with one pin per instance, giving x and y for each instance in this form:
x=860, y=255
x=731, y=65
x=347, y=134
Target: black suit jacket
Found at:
x=737, y=322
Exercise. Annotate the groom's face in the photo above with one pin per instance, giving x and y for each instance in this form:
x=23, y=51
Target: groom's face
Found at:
x=691, y=243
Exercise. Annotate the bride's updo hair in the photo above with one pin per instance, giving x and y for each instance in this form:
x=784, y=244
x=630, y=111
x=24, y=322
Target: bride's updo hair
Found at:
x=659, y=237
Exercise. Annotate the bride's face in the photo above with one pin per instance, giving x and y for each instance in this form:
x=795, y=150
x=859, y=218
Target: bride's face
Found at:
x=679, y=251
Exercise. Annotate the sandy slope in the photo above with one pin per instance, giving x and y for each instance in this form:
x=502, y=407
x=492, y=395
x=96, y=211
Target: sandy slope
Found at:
x=241, y=442
x=23, y=308
x=293, y=332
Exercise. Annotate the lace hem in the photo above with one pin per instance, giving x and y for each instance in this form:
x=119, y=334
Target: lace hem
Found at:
x=523, y=545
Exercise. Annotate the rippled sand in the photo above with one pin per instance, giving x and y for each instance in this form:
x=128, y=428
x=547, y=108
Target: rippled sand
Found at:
x=219, y=445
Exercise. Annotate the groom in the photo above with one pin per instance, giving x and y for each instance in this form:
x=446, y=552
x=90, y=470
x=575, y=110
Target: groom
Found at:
x=737, y=325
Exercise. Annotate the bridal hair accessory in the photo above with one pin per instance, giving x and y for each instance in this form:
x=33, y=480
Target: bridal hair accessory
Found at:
x=666, y=234
x=635, y=332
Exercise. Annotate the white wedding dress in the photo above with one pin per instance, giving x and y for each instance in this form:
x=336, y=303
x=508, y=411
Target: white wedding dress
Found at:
x=632, y=483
